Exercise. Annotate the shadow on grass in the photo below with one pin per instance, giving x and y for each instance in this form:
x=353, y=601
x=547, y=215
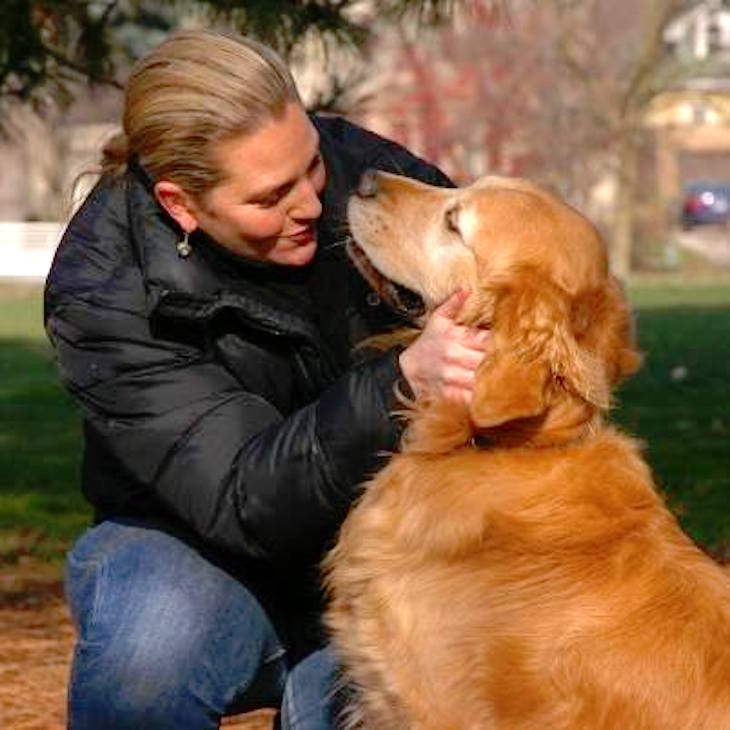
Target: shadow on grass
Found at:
x=679, y=405
x=41, y=507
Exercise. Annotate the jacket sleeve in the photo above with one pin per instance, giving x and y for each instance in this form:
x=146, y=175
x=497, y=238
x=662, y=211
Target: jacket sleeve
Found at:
x=221, y=459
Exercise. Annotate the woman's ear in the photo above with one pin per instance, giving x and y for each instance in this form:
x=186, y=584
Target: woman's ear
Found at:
x=177, y=203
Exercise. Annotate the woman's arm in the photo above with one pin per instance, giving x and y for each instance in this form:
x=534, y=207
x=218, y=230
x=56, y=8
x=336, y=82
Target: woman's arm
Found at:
x=171, y=423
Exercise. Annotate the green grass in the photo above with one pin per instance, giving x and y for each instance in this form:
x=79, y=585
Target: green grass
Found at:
x=673, y=293
x=679, y=405
x=41, y=509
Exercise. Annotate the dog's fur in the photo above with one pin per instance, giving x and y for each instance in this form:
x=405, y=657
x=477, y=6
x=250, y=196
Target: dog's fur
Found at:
x=514, y=567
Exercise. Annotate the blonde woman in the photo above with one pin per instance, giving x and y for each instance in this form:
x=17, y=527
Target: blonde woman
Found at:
x=204, y=313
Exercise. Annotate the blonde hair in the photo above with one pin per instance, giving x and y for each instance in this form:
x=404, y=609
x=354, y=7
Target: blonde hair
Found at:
x=195, y=90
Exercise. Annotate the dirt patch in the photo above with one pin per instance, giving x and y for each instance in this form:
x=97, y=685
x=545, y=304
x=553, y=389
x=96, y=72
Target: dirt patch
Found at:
x=36, y=637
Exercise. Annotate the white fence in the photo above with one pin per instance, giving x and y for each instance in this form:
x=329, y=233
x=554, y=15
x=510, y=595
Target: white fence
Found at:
x=26, y=249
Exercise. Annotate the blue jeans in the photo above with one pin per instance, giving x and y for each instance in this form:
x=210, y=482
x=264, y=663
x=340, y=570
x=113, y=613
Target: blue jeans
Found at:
x=166, y=639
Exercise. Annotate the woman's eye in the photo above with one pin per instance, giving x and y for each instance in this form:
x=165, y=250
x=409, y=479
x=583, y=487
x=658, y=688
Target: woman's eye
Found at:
x=316, y=164
x=316, y=169
x=451, y=218
x=269, y=201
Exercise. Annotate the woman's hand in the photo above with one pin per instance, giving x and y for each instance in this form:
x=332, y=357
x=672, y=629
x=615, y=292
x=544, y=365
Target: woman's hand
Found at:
x=442, y=361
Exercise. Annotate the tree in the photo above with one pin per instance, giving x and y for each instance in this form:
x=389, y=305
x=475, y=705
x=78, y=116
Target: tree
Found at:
x=557, y=91
x=52, y=51
x=619, y=60
x=498, y=101
x=48, y=47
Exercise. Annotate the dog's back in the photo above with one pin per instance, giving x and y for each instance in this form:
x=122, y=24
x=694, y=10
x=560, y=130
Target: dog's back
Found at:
x=524, y=588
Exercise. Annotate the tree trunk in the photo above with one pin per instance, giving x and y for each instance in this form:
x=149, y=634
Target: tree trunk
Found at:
x=624, y=222
x=643, y=84
x=39, y=143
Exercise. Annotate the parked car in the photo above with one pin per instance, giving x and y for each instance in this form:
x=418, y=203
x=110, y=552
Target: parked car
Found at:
x=705, y=202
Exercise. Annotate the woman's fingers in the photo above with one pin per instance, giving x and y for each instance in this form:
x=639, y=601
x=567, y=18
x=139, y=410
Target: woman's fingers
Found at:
x=475, y=338
x=467, y=356
x=451, y=307
x=458, y=395
x=443, y=360
x=459, y=377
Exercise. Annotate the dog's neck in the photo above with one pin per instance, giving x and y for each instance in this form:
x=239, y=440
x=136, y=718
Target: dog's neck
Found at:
x=441, y=427
x=567, y=421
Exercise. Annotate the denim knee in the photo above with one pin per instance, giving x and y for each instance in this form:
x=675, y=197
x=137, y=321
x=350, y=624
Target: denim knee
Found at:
x=310, y=694
x=166, y=639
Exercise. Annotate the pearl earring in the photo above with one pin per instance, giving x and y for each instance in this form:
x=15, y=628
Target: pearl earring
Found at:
x=183, y=247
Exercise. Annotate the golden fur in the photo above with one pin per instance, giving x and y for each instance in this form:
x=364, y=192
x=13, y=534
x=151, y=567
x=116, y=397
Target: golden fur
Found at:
x=514, y=568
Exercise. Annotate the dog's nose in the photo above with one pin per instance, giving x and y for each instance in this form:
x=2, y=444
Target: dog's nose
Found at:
x=368, y=185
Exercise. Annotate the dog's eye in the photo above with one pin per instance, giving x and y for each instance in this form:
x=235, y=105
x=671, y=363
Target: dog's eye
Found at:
x=451, y=218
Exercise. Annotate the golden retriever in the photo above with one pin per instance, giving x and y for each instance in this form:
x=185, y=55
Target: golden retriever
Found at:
x=514, y=567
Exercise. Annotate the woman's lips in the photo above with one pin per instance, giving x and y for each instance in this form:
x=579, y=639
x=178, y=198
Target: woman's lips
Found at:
x=303, y=237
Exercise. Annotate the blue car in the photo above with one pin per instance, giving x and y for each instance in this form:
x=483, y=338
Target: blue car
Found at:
x=705, y=202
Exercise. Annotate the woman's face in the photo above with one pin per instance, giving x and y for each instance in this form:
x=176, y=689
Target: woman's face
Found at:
x=268, y=204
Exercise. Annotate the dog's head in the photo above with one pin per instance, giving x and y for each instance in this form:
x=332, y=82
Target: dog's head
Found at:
x=539, y=278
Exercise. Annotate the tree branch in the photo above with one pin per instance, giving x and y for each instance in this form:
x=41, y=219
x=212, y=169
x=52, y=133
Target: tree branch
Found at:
x=79, y=68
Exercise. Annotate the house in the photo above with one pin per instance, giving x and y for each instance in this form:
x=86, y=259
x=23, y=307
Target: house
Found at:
x=702, y=32
x=691, y=119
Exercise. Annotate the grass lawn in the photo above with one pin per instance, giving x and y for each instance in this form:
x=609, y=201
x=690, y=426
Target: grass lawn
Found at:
x=41, y=509
x=679, y=404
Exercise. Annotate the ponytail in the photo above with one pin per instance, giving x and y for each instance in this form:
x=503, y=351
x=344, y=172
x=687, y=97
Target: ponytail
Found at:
x=114, y=155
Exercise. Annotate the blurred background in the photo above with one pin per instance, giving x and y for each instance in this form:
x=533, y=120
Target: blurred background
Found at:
x=622, y=106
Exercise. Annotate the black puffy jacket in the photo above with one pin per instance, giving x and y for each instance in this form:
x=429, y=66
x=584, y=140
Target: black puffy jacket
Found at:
x=208, y=397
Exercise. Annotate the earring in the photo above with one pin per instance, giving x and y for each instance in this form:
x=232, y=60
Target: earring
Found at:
x=183, y=247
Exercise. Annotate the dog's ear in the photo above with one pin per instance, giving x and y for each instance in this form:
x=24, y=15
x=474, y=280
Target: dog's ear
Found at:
x=576, y=366
x=601, y=322
x=508, y=388
x=513, y=383
x=544, y=340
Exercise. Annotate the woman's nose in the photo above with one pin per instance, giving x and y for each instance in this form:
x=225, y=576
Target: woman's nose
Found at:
x=307, y=206
x=368, y=185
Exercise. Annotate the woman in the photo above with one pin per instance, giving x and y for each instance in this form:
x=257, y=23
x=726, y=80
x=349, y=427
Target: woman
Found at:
x=204, y=314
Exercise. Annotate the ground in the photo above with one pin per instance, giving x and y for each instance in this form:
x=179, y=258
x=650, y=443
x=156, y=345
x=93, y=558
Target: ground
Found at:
x=710, y=242
x=35, y=644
